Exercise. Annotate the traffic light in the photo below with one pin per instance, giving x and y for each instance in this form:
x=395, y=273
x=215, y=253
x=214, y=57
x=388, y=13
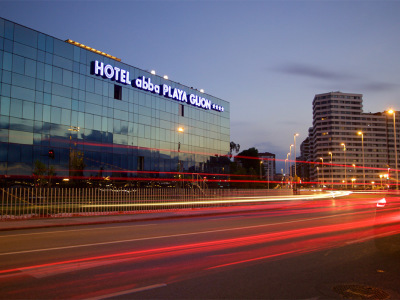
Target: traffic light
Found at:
x=51, y=153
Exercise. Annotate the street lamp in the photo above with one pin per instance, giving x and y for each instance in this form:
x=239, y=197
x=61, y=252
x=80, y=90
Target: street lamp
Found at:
x=330, y=153
x=295, y=172
x=73, y=154
x=318, y=175
x=288, y=168
x=381, y=176
x=352, y=183
x=180, y=130
x=290, y=165
x=290, y=161
x=322, y=171
x=261, y=162
x=362, y=145
x=285, y=166
x=391, y=111
x=345, y=167
x=354, y=170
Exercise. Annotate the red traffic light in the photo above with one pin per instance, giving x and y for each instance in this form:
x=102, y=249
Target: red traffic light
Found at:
x=51, y=154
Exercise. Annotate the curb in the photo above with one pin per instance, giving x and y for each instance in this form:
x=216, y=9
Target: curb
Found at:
x=150, y=217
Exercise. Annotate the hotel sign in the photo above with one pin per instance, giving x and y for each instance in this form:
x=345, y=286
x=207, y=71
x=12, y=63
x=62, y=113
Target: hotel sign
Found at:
x=143, y=83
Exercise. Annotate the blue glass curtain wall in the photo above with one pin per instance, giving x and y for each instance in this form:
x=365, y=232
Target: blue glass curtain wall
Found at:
x=50, y=100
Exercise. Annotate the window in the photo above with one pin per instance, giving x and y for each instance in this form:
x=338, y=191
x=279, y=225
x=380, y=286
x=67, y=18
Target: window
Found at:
x=140, y=163
x=117, y=92
x=181, y=110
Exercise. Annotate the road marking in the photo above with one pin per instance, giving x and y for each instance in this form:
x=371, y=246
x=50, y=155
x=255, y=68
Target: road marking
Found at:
x=360, y=240
x=65, y=268
x=145, y=288
x=164, y=236
x=74, y=230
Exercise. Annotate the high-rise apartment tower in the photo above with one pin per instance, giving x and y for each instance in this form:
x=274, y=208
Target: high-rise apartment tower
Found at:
x=351, y=148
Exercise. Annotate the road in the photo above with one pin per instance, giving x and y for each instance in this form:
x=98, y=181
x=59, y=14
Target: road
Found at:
x=313, y=249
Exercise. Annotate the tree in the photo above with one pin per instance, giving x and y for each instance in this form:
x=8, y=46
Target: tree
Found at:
x=250, y=161
x=76, y=165
x=42, y=174
x=246, y=169
x=234, y=147
x=39, y=172
x=50, y=174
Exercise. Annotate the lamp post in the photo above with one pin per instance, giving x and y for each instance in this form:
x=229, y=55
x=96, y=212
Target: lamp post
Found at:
x=391, y=111
x=290, y=161
x=380, y=176
x=288, y=168
x=295, y=172
x=285, y=166
x=362, y=146
x=352, y=183
x=322, y=171
x=345, y=166
x=290, y=165
x=180, y=130
x=73, y=154
x=318, y=175
x=330, y=153
x=261, y=162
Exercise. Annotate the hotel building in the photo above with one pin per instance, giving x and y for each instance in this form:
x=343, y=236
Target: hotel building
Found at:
x=86, y=114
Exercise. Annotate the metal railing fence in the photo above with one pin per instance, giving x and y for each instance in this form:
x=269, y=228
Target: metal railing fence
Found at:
x=25, y=203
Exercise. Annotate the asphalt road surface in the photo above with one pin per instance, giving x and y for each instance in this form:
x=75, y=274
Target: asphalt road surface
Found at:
x=315, y=249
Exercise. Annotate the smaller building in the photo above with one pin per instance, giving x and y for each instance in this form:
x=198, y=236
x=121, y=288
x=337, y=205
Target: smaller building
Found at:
x=303, y=161
x=268, y=162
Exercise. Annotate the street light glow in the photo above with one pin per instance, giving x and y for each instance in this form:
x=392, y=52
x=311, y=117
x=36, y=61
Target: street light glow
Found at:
x=331, y=154
x=392, y=112
x=363, y=156
x=295, y=167
x=322, y=170
x=345, y=168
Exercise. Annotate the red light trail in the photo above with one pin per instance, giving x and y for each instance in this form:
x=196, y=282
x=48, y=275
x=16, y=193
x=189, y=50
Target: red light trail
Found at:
x=312, y=227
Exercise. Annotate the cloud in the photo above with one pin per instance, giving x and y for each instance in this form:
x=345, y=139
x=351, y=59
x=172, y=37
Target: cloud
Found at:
x=337, y=80
x=362, y=86
x=378, y=86
x=311, y=72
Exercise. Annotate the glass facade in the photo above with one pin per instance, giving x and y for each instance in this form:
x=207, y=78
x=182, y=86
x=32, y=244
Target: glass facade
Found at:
x=97, y=126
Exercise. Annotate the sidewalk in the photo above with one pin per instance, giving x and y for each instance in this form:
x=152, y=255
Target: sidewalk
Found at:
x=20, y=224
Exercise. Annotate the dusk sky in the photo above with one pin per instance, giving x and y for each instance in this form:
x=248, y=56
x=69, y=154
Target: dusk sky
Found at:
x=267, y=58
